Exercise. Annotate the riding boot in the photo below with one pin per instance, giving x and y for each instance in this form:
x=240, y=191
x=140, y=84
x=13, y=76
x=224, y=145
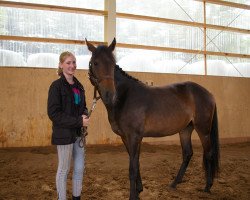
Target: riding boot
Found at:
x=76, y=198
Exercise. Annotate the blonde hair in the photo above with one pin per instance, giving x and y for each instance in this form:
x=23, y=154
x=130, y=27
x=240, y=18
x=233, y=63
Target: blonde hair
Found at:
x=62, y=58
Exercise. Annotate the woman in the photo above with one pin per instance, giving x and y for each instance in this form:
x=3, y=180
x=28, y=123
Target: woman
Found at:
x=68, y=113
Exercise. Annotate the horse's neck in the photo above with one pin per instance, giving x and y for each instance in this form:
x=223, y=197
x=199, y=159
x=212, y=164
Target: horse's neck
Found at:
x=111, y=109
x=124, y=84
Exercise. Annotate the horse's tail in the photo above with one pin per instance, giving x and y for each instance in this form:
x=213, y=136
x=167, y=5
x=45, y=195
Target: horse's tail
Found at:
x=215, y=150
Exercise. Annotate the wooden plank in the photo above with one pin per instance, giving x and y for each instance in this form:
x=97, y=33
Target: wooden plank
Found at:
x=48, y=40
x=53, y=8
x=227, y=3
x=225, y=28
x=121, y=45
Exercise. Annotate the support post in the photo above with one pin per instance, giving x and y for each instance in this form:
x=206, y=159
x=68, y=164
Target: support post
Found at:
x=205, y=37
x=110, y=21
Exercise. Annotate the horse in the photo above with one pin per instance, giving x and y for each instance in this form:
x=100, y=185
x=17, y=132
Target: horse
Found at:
x=136, y=110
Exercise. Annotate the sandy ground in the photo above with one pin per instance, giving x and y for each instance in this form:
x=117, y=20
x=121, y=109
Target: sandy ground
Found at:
x=29, y=173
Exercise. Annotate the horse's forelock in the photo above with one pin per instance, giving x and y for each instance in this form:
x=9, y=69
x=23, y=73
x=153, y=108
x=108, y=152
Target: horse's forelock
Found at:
x=104, y=52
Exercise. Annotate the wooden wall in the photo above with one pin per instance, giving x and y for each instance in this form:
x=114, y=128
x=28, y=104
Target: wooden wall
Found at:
x=23, y=106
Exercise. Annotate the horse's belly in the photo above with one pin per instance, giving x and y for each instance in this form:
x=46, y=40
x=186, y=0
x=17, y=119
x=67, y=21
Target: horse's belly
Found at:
x=164, y=127
x=160, y=133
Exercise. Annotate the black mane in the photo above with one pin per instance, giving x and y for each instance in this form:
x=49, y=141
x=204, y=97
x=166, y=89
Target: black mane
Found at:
x=117, y=68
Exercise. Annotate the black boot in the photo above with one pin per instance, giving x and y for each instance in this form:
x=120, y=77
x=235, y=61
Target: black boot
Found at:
x=76, y=198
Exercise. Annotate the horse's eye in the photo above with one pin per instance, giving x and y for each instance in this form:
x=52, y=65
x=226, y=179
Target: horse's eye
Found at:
x=95, y=63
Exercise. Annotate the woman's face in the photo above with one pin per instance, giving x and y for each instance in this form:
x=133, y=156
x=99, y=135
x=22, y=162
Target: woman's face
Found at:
x=69, y=65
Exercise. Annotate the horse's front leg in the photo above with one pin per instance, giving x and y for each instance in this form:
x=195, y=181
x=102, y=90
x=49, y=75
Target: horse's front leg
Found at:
x=134, y=153
x=139, y=186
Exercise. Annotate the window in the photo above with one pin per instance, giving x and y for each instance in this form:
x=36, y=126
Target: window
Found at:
x=35, y=23
x=170, y=33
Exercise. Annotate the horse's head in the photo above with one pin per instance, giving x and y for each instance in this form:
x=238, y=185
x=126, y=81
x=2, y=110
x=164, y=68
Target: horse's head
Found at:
x=101, y=70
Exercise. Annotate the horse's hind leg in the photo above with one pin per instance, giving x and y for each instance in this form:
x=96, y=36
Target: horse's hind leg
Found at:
x=202, y=126
x=207, y=156
x=187, y=152
x=207, y=159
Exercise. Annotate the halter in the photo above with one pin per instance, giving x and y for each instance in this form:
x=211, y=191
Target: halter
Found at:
x=95, y=81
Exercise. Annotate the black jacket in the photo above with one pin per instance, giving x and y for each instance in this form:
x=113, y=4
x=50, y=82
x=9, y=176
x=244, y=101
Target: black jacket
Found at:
x=65, y=115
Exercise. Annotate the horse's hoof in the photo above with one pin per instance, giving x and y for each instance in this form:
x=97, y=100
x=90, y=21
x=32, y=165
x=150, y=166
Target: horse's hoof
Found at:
x=207, y=190
x=136, y=198
x=172, y=186
x=140, y=190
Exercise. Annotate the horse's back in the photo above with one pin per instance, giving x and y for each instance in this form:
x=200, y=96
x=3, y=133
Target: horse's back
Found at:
x=175, y=106
x=192, y=91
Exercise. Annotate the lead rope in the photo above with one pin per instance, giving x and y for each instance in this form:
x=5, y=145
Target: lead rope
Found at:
x=84, y=132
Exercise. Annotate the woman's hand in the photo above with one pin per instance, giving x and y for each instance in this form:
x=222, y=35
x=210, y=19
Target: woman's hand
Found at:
x=85, y=120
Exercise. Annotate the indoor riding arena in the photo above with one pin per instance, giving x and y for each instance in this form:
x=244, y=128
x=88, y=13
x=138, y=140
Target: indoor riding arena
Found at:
x=176, y=47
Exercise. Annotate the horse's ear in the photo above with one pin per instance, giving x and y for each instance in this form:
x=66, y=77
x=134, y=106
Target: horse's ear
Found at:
x=112, y=45
x=90, y=46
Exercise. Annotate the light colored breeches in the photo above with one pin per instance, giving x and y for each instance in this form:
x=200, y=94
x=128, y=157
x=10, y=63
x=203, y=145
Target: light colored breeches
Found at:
x=65, y=155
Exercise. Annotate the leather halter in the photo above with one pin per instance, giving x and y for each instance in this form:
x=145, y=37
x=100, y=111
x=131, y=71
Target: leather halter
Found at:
x=97, y=81
x=94, y=80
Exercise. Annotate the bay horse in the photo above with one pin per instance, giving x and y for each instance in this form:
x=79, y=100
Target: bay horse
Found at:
x=136, y=110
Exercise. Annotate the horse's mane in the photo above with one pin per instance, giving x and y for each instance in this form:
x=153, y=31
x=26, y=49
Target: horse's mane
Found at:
x=117, y=68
